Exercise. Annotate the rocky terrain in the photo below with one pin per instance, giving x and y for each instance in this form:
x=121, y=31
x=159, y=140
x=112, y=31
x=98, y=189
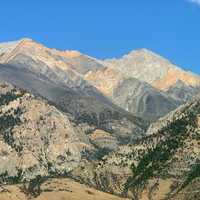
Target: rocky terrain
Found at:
x=37, y=141
x=127, y=126
x=36, y=138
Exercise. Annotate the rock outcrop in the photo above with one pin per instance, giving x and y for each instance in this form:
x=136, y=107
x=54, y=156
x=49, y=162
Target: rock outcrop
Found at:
x=35, y=138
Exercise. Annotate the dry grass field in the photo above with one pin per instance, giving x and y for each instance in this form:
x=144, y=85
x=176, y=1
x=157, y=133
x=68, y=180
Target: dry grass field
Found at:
x=57, y=189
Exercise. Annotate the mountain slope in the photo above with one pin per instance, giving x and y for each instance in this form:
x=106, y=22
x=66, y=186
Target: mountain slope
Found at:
x=37, y=141
x=164, y=165
x=89, y=137
x=171, y=156
x=36, y=138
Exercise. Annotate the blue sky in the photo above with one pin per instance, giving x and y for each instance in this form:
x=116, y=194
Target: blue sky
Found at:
x=108, y=28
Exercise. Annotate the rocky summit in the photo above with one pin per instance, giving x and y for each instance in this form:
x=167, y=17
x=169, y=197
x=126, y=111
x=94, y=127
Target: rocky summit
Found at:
x=129, y=126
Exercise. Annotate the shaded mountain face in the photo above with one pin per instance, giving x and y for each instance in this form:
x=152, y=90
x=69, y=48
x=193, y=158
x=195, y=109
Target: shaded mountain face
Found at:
x=163, y=165
x=143, y=100
x=84, y=109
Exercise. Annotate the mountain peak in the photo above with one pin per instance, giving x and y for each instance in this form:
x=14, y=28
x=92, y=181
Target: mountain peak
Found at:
x=14, y=42
x=142, y=50
x=29, y=41
x=146, y=54
x=152, y=68
x=7, y=46
x=26, y=39
x=10, y=49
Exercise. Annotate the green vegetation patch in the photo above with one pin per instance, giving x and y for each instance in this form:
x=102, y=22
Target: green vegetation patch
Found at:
x=193, y=174
x=155, y=160
x=12, y=95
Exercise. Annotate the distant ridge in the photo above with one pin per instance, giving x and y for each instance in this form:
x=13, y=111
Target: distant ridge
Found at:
x=141, y=82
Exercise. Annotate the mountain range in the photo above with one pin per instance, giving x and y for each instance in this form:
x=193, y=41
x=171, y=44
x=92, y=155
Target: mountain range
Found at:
x=123, y=126
x=152, y=80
